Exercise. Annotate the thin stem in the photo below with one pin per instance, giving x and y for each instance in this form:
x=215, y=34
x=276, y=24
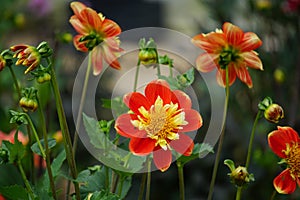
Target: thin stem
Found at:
x=15, y=81
x=121, y=186
x=47, y=151
x=148, y=180
x=238, y=193
x=171, y=70
x=142, y=187
x=136, y=75
x=181, y=180
x=82, y=100
x=221, y=140
x=157, y=61
x=64, y=129
x=273, y=195
x=27, y=184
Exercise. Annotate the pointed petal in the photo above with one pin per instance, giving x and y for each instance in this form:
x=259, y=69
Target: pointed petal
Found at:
x=284, y=183
x=243, y=74
x=184, y=145
x=110, y=28
x=194, y=120
x=110, y=56
x=91, y=17
x=250, y=42
x=77, y=7
x=158, y=88
x=162, y=159
x=233, y=33
x=182, y=99
x=141, y=146
x=221, y=76
x=252, y=60
x=97, y=60
x=135, y=100
x=211, y=42
x=125, y=128
x=205, y=62
x=79, y=45
x=78, y=25
x=279, y=139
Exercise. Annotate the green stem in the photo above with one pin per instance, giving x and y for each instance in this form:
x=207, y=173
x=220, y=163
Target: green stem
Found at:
x=181, y=180
x=64, y=129
x=82, y=100
x=157, y=65
x=148, y=180
x=171, y=70
x=35, y=135
x=136, y=75
x=121, y=186
x=238, y=193
x=47, y=151
x=221, y=140
x=27, y=184
x=142, y=187
x=273, y=195
x=15, y=81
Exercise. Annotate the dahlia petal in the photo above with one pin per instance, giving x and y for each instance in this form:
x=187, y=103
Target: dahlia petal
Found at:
x=110, y=56
x=205, y=62
x=279, y=139
x=135, y=100
x=182, y=99
x=77, y=7
x=252, y=60
x=79, y=45
x=250, y=42
x=184, y=145
x=221, y=76
x=158, y=88
x=91, y=17
x=78, y=26
x=194, y=120
x=110, y=28
x=125, y=128
x=210, y=42
x=243, y=74
x=233, y=33
x=162, y=159
x=141, y=146
x=284, y=183
x=97, y=60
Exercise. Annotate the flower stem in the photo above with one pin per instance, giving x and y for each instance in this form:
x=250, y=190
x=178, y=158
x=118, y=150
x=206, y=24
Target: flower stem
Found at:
x=142, y=187
x=238, y=193
x=136, y=75
x=181, y=180
x=148, y=180
x=27, y=184
x=273, y=195
x=217, y=160
x=64, y=129
x=15, y=81
x=47, y=151
x=82, y=100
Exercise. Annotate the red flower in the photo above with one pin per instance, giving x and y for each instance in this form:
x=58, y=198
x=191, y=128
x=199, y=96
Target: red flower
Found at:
x=1, y=197
x=96, y=34
x=157, y=123
x=10, y=137
x=285, y=143
x=229, y=47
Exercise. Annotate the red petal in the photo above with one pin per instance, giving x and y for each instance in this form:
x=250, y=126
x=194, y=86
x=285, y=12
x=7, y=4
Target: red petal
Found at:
x=97, y=60
x=79, y=45
x=205, y=62
x=125, y=128
x=135, y=100
x=158, y=88
x=110, y=28
x=221, y=76
x=194, y=120
x=78, y=25
x=233, y=33
x=162, y=159
x=243, y=74
x=182, y=99
x=252, y=60
x=250, y=42
x=91, y=17
x=184, y=145
x=278, y=139
x=211, y=42
x=284, y=183
x=141, y=146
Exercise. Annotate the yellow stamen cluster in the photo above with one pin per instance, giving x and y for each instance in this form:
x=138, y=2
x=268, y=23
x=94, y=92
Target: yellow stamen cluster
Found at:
x=293, y=159
x=161, y=122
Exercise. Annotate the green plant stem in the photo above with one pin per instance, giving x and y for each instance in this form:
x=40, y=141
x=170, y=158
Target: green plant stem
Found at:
x=148, y=186
x=238, y=193
x=121, y=186
x=27, y=184
x=171, y=70
x=47, y=151
x=142, y=187
x=64, y=129
x=181, y=180
x=15, y=81
x=273, y=195
x=82, y=100
x=221, y=140
x=136, y=75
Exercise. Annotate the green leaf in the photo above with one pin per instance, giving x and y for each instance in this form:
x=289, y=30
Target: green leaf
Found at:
x=17, y=117
x=116, y=104
x=103, y=195
x=230, y=164
x=35, y=147
x=14, y=192
x=16, y=151
x=10, y=175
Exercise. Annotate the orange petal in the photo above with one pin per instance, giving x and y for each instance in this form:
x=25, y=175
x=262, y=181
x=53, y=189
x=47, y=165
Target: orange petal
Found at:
x=211, y=42
x=184, y=145
x=252, y=60
x=91, y=18
x=284, y=183
x=125, y=128
x=141, y=146
x=182, y=99
x=77, y=7
x=110, y=28
x=278, y=139
x=78, y=26
x=194, y=120
x=205, y=62
x=162, y=159
x=250, y=42
x=233, y=33
x=97, y=60
x=158, y=88
x=110, y=55
x=243, y=74
x=221, y=76
x=135, y=100
x=79, y=45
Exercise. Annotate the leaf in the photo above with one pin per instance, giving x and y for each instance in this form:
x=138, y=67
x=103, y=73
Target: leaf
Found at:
x=14, y=192
x=116, y=104
x=35, y=147
x=16, y=151
x=103, y=195
x=9, y=175
x=230, y=164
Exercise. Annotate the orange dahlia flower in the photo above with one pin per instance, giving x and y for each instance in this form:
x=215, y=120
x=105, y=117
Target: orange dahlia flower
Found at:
x=229, y=47
x=157, y=123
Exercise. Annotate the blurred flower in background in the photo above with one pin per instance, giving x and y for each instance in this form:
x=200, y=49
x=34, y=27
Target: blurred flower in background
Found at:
x=40, y=7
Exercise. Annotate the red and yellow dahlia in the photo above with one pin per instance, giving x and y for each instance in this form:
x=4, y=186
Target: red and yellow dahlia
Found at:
x=285, y=142
x=157, y=123
x=96, y=34
x=229, y=47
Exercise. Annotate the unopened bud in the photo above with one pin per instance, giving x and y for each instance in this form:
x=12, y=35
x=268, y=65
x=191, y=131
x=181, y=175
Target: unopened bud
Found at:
x=274, y=113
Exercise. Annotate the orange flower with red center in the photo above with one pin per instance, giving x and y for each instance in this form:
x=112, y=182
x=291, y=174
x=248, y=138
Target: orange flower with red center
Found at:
x=157, y=123
x=285, y=143
x=96, y=34
x=228, y=48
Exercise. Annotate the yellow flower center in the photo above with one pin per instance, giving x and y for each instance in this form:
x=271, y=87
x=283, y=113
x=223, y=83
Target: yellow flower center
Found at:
x=293, y=159
x=161, y=122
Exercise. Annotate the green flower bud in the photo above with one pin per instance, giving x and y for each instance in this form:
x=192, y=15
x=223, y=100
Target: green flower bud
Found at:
x=274, y=113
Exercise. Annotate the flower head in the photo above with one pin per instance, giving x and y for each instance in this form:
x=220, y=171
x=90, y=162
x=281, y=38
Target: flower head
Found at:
x=96, y=34
x=285, y=143
x=2, y=63
x=157, y=122
x=229, y=48
x=27, y=55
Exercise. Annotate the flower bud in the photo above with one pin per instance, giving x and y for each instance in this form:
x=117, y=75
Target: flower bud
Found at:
x=3, y=156
x=2, y=63
x=45, y=77
x=29, y=99
x=240, y=176
x=44, y=49
x=148, y=57
x=274, y=113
